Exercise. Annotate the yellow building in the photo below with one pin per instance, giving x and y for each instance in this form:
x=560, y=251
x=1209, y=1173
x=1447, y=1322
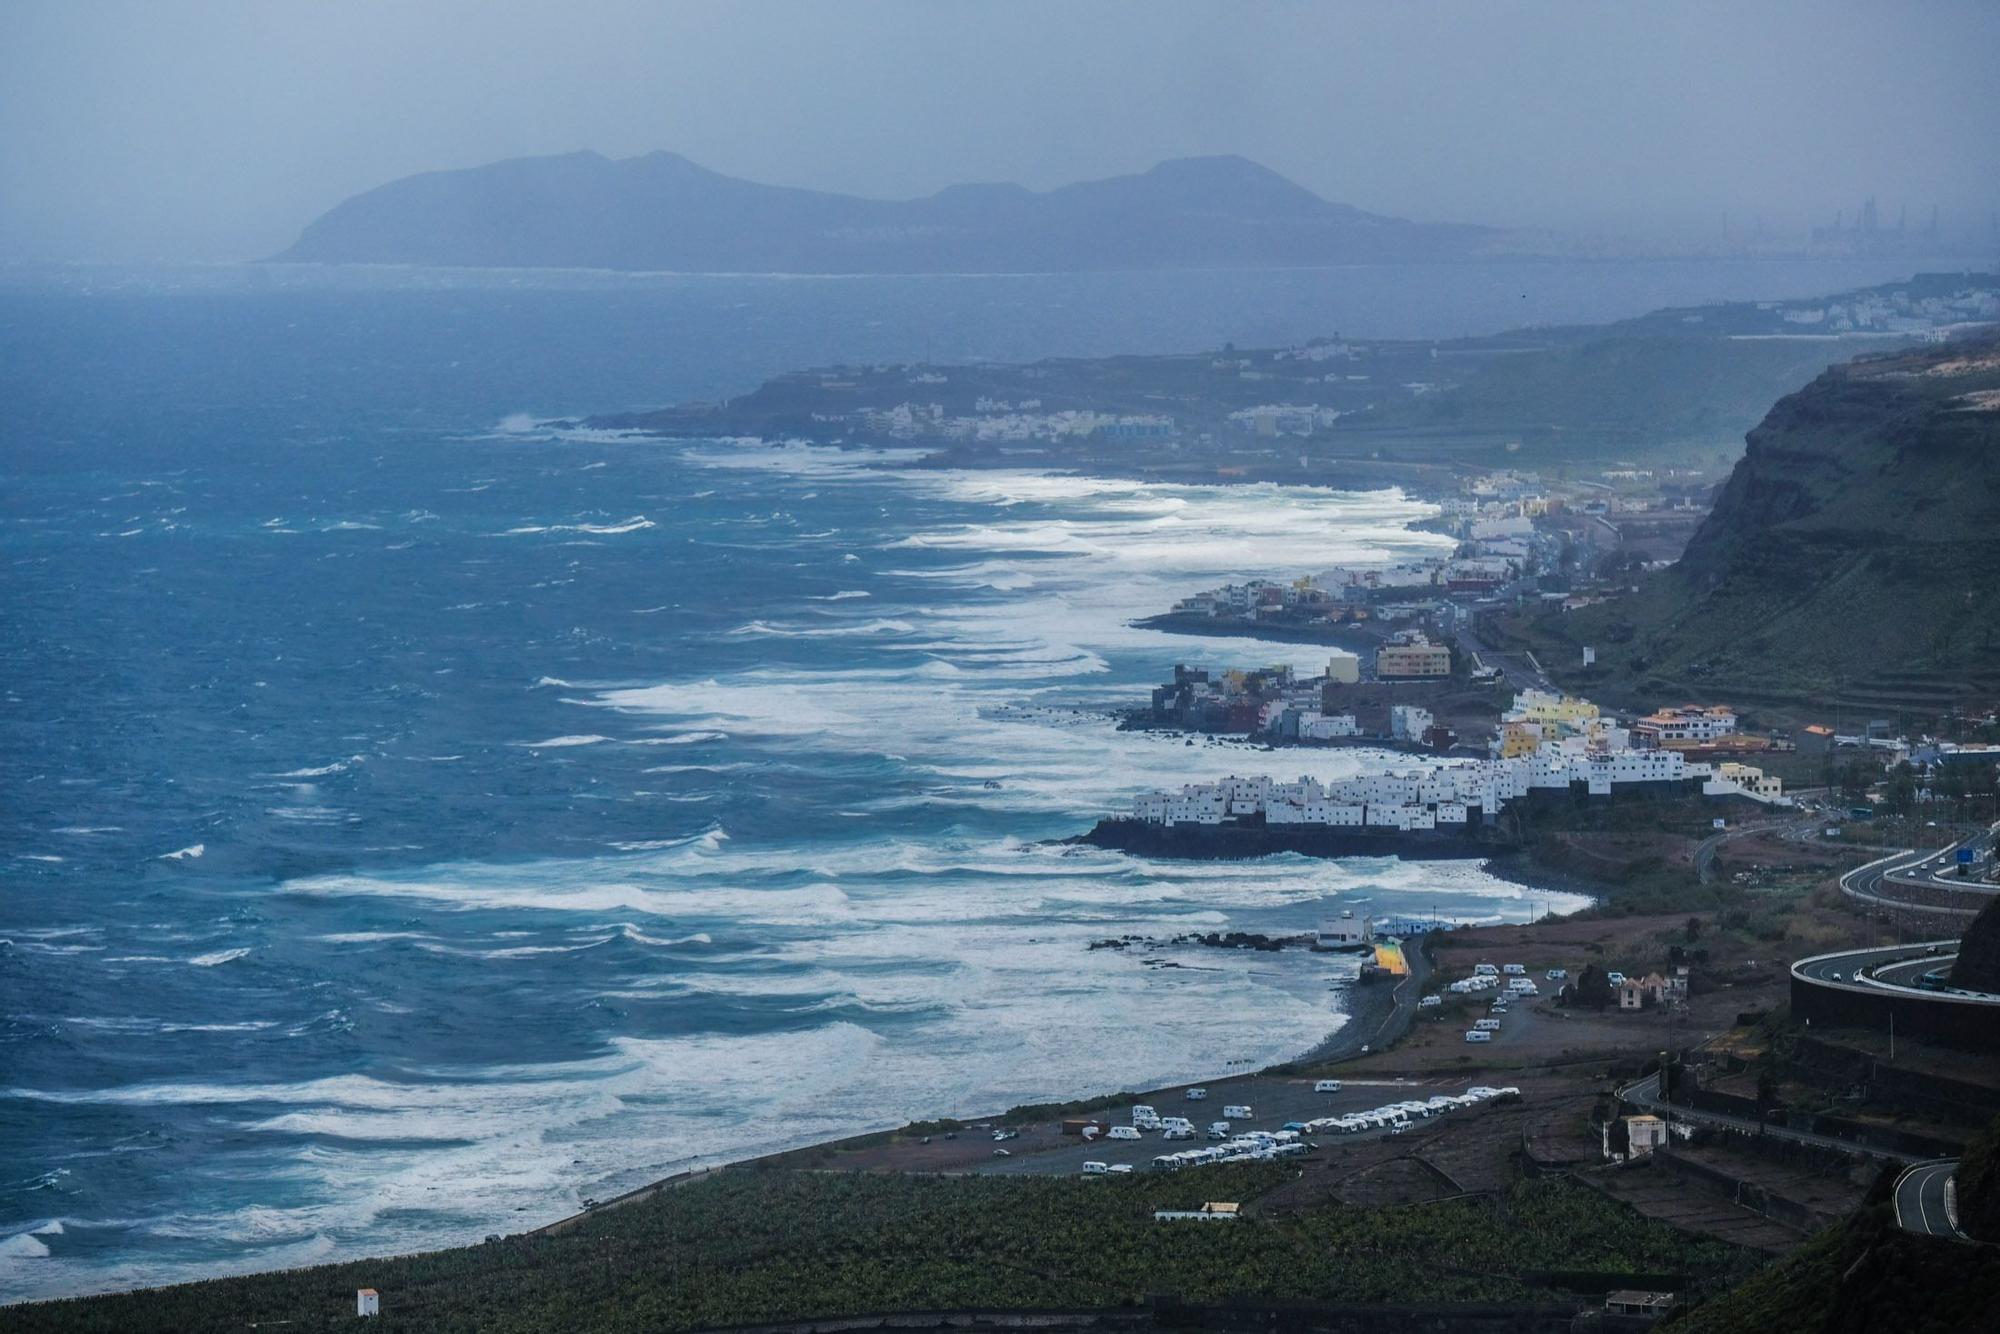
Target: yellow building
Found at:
x=1407, y=661
x=1519, y=738
x=1542, y=706
x=1751, y=779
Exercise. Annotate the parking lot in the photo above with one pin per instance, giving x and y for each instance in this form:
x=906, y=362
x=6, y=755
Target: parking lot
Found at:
x=1043, y=1149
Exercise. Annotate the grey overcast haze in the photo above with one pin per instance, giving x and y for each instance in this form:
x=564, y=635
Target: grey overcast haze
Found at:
x=215, y=131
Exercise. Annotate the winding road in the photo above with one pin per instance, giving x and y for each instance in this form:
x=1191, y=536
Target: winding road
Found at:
x=1923, y=1199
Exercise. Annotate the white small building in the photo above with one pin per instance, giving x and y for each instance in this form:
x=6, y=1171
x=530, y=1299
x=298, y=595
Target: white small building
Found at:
x=1346, y=933
x=1408, y=722
x=367, y=1302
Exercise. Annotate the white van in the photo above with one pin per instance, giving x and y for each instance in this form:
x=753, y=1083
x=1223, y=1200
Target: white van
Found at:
x=1476, y=1035
x=1237, y=1113
x=1486, y=1025
x=1094, y=1169
x=1327, y=1086
x=1143, y=1115
x=1514, y=970
x=1122, y=1132
x=1485, y=970
x=1196, y=1095
x=1218, y=1130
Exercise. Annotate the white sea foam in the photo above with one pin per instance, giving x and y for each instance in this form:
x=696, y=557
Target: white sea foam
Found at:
x=187, y=853
x=24, y=1246
x=218, y=957
x=324, y=770
x=632, y=525
x=562, y=742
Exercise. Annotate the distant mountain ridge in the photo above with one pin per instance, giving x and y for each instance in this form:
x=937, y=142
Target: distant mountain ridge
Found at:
x=664, y=212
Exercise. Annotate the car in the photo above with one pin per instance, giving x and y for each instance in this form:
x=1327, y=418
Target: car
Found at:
x=1002, y=1153
x=1121, y=1169
x=1399, y=1128
x=1294, y=1125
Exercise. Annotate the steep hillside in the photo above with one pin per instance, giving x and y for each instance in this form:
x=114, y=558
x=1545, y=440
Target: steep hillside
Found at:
x=1857, y=541
x=661, y=211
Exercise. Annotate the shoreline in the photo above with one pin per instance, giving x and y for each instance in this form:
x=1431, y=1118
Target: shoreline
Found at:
x=1377, y=1015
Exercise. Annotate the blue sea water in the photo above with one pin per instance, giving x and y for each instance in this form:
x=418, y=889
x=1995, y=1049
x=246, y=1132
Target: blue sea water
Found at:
x=417, y=821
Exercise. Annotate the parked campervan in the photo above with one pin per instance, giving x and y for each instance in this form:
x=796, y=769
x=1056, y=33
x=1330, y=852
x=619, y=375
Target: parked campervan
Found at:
x=1487, y=1025
x=1485, y=970
x=1327, y=1086
x=1514, y=970
x=1094, y=1169
x=1237, y=1112
x=1476, y=1035
x=1123, y=1132
x=1196, y=1095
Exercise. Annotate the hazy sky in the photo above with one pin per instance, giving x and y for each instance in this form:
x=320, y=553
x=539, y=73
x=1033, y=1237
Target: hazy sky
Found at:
x=216, y=130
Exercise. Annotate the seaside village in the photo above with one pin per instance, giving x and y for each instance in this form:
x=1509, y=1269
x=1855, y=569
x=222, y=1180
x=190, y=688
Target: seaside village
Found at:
x=1545, y=743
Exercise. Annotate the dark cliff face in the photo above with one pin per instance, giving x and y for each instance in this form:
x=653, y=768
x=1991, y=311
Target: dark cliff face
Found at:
x=663, y=212
x=1978, y=964
x=1858, y=539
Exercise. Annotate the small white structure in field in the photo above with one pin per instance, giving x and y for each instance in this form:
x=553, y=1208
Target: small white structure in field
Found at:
x=367, y=1302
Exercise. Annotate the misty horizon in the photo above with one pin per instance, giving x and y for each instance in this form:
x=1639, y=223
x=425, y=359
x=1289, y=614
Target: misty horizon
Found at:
x=218, y=131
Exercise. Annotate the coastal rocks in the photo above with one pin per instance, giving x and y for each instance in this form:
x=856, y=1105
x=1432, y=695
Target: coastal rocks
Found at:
x=1240, y=842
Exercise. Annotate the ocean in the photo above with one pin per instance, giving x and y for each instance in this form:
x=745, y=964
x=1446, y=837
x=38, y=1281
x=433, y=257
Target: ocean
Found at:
x=418, y=820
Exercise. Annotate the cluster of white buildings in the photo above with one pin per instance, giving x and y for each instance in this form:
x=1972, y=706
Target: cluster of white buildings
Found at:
x=996, y=420
x=1446, y=797
x=1270, y=419
x=1567, y=746
x=1894, y=312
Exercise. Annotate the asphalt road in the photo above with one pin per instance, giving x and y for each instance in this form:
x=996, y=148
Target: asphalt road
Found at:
x=1869, y=883
x=1842, y=967
x=1940, y=869
x=1646, y=1093
x=1520, y=669
x=1920, y=1199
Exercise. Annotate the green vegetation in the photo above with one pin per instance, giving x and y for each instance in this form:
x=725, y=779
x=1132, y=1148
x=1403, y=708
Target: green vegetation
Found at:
x=1860, y=1277
x=1853, y=554
x=751, y=1245
x=1622, y=397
